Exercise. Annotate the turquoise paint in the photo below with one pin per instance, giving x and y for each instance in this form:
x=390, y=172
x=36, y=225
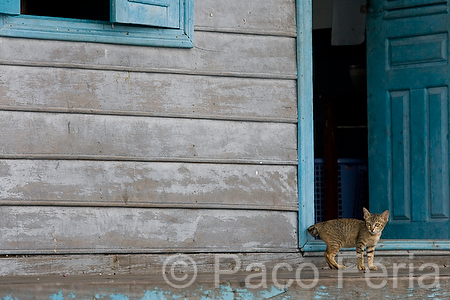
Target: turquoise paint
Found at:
x=413, y=245
x=408, y=117
x=205, y=297
x=58, y=296
x=118, y=297
x=229, y=294
x=322, y=293
x=388, y=245
x=246, y=294
x=305, y=119
x=156, y=295
x=163, y=13
x=101, y=32
x=11, y=7
x=437, y=293
x=226, y=292
x=272, y=293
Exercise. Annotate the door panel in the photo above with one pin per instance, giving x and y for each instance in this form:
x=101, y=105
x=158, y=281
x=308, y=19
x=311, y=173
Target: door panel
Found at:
x=408, y=111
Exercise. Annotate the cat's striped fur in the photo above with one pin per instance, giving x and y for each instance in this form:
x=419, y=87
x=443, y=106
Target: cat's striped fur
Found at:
x=348, y=233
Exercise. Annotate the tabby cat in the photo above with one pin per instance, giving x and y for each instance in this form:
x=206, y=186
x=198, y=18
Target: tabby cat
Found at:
x=348, y=233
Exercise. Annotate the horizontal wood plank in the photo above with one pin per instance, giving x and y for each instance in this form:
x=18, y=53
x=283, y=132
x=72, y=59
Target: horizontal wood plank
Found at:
x=213, y=54
x=136, y=184
x=146, y=94
x=34, y=229
x=207, y=263
x=271, y=17
x=139, y=264
x=75, y=136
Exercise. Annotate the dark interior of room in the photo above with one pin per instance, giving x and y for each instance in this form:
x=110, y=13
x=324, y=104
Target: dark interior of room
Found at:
x=340, y=128
x=80, y=9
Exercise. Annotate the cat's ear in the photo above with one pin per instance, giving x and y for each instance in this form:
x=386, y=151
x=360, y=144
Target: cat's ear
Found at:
x=385, y=215
x=366, y=213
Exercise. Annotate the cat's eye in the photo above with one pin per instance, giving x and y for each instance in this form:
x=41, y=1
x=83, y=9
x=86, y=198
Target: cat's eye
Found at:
x=377, y=224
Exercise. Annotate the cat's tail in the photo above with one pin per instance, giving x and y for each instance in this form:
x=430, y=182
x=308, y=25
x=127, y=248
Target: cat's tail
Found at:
x=313, y=230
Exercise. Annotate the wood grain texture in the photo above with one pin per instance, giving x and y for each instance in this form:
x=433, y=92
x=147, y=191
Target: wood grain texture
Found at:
x=139, y=264
x=213, y=54
x=306, y=120
x=74, y=136
x=34, y=229
x=151, y=264
x=146, y=94
x=137, y=184
x=269, y=17
x=134, y=151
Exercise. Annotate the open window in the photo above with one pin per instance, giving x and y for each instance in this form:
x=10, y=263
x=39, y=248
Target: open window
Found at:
x=97, y=9
x=139, y=22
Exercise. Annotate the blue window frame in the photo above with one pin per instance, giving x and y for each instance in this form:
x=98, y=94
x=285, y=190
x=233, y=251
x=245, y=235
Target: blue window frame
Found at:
x=163, y=23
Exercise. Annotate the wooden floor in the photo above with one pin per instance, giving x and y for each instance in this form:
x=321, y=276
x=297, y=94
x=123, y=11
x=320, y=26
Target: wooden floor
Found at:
x=303, y=283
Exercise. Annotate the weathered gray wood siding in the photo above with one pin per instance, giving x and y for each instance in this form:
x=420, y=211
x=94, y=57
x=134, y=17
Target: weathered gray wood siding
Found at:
x=116, y=149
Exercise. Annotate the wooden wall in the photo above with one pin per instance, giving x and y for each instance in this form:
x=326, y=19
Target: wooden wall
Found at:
x=124, y=149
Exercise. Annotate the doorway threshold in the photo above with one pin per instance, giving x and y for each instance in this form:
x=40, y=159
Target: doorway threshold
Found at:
x=387, y=245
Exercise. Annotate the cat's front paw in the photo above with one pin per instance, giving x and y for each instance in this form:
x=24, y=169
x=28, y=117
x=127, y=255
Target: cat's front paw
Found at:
x=362, y=268
x=373, y=267
x=337, y=267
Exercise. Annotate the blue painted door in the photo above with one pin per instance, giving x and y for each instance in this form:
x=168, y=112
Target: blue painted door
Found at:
x=408, y=116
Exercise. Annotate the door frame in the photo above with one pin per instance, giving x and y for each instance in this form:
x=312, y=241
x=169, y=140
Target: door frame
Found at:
x=305, y=119
x=306, y=145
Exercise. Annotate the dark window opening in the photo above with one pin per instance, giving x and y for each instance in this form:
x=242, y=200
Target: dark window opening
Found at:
x=80, y=9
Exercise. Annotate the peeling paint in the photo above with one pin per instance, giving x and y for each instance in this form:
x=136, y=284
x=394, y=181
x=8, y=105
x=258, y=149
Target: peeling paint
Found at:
x=145, y=184
x=9, y=298
x=93, y=229
x=272, y=293
x=225, y=292
x=322, y=293
x=58, y=296
x=231, y=291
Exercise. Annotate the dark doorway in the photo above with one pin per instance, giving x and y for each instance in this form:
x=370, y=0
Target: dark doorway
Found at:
x=340, y=128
